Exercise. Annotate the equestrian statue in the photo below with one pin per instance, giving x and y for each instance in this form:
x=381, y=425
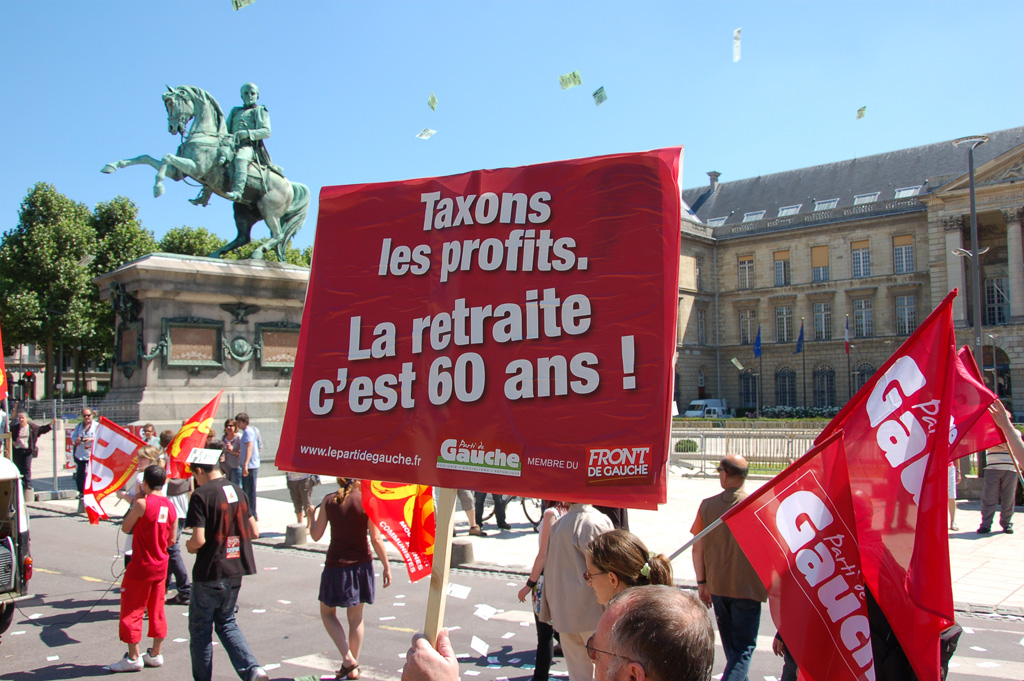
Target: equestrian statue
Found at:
x=227, y=156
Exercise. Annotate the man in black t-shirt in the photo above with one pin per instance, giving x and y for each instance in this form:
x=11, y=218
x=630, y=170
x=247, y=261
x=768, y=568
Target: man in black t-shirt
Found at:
x=222, y=532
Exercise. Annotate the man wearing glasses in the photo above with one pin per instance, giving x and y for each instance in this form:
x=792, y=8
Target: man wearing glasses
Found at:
x=648, y=633
x=82, y=437
x=725, y=578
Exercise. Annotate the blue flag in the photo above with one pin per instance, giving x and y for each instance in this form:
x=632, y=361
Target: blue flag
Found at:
x=757, y=342
x=800, y=341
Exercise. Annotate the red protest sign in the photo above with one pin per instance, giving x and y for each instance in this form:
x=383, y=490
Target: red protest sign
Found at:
x=506, y=330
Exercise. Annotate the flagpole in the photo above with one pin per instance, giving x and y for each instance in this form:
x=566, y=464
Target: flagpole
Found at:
x=849, y=370
x=437, y=597
x=691, y=542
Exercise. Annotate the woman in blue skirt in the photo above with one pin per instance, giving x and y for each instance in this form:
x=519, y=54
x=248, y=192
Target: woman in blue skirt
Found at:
x=347, y=580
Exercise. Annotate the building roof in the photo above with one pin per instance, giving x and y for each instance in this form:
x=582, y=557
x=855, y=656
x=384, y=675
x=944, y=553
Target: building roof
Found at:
x=928, y=167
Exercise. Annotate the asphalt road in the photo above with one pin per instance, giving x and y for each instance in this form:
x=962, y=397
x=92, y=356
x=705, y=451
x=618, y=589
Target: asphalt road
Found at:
x=69, y=630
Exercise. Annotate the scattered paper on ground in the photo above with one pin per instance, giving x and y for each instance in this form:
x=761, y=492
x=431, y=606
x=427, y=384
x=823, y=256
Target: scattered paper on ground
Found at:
x=425, y=133
x=385, y=619
x=270, y=568
x=283, y=603
x=509, y=635
x=478, y=645
x=398, y=605
x=570, y=80
x=259, y=611
x=432, y=102
x=180, y=640
x=600, y=96
x=458, y=591
x=455, y=628
x=736, y=45
x=52, y=658
x=35, y=616
x=471, y=672
x=272, y=665
x=979, y=649
x=484, y=611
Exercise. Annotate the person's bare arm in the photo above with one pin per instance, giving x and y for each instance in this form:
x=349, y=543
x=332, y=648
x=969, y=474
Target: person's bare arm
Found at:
x=319, y=524
x=248, y=455
x=697, y=550
x=254, y=527
x=1012, y=435
x=197, y=540
x=134, y=513
x=546, y=523
x=377, y=542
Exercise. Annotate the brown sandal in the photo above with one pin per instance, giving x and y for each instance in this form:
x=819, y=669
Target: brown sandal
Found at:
x=347, y=672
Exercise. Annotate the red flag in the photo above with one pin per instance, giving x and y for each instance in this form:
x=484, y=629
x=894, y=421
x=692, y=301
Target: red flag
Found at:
x=897, y=442
x=193, y=434
x=846, y=337
x=405, y=514
x=3, y=373
x=980, y=432
x=799, y=533
x=112, y=463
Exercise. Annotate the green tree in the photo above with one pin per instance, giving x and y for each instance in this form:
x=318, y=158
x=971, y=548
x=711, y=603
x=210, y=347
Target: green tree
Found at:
x=45, y=293
x=187, y=240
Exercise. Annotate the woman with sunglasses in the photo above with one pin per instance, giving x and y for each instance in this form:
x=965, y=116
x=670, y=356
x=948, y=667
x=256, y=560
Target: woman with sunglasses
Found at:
x=617, y=560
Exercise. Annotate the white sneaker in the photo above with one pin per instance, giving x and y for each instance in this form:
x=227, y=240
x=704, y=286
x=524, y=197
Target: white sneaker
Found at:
x=152, y=660
x=126, y=664
x=258, y=674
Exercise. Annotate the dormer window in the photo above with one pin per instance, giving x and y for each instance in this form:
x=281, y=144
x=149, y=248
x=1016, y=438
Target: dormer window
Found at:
x=865, y=198
x=827, y=204
x=753, y=216
x=789, y=210
x=907, y=192
x=717, y=222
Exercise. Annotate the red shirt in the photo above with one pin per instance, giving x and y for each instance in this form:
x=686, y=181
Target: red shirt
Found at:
x=150, y=538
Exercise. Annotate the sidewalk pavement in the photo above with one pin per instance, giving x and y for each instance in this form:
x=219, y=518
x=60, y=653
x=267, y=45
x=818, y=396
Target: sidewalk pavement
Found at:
x=987, y=570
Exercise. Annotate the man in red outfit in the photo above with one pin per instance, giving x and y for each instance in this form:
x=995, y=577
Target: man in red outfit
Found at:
x=153, y=524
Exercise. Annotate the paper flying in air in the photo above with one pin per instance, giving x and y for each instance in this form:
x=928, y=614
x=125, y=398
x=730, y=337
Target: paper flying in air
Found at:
x=600, y=96
x=425, y=133
x=736, y=45
x=861, y=111
x=432, y=102
x=570, y=80
x=239, y=4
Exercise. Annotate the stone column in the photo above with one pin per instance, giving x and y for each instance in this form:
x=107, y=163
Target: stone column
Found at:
x=955, y=267
x=1015, y=259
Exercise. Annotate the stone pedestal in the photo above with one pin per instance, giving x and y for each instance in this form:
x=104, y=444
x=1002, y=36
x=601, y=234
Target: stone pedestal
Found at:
x=294, y=535
x=188, y=327
x=462, y=552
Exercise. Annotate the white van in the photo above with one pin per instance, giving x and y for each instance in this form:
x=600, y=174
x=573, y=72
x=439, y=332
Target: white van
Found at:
x=707, y=409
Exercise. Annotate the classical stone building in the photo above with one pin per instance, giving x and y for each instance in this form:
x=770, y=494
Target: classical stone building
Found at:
x=868, y=240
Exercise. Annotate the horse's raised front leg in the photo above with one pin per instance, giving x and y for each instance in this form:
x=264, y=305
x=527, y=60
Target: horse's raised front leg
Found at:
x=180, y=167
x=138, y=160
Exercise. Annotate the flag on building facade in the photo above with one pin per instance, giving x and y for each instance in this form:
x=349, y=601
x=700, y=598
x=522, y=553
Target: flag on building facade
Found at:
x=800, y=340
x=757, y=342
x=846, y=336
x=799, y=533
x=405, y=514
x=193, y=434
x=112, y=464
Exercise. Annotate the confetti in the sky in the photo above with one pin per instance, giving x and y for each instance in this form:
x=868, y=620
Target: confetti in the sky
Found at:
x=239, y=4
x=736, y=45
x=570, y=80
x=432, y=102
x=600, y=96
x=861, y=111
x=425, y=133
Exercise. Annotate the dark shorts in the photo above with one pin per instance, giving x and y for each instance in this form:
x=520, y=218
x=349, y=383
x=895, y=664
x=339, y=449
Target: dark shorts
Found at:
x=343, y=587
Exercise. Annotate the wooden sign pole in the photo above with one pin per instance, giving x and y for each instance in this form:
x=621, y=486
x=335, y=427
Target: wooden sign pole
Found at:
x=436, y=600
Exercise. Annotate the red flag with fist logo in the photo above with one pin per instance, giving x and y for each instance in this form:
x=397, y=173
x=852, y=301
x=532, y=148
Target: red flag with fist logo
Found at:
x=112, y=464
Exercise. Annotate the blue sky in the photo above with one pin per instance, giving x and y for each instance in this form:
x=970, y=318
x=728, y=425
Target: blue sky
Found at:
x=347, y=83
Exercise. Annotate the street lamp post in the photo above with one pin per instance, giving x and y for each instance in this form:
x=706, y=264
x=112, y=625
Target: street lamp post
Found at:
x=995, y=366
x=975, y=253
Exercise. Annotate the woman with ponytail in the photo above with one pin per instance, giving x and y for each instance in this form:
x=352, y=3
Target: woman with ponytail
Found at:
x=617, y=560
x=347, y=579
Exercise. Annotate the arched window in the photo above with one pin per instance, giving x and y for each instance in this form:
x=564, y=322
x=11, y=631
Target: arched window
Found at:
x=748, y=389
x=700, y=378
x=861, y=375
x=785, y=387
x=824, y=386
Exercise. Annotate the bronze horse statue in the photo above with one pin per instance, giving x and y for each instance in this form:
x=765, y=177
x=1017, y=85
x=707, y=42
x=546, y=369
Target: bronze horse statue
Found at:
x=268, y=195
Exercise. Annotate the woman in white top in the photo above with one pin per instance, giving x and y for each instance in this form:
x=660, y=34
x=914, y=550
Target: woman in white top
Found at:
x=534, y=585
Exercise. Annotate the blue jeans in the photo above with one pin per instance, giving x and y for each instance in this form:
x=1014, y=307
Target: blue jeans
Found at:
x=249, y=487
x=738, y=621
x=176, y=566
x=235, y=475
x=212, y=606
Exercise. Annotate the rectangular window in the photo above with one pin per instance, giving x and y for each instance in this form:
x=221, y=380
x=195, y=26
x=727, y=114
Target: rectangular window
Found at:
x=865, y=198
x=702, y=334
x=823, y=321
x=861, y=258
x=862, y=323
x=819, y=263
x=717, y=222
x=907, y=192
x=782, y=268
x=827, y=204
x=903, y=254
x=747, y=327
x=753, y=216
x=997, y=302
x=784, y=324
x=906, y=315
x=746, y=271
x=789, y=210
x=699, y=272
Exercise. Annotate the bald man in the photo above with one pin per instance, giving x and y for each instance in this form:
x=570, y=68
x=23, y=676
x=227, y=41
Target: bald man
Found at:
x=725, y=578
